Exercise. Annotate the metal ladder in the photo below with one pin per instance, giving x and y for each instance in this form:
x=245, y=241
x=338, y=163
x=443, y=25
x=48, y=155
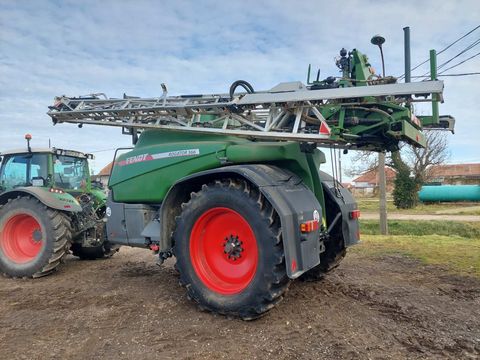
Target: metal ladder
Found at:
x=289, y=111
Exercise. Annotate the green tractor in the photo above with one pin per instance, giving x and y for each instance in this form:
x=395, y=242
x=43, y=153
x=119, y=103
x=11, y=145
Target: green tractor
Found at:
x=48, y=208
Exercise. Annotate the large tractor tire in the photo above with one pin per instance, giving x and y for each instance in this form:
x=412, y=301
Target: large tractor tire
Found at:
x=103, y=251
x=33, y=238
x=229, y=250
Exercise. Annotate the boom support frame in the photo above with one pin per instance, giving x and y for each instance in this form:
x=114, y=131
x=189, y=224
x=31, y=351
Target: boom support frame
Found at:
x=364, y=117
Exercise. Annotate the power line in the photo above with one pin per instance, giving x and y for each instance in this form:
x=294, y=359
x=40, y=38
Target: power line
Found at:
x=103, y=150
x=459, y=74
x=460, y=63
x=444, y=49
x=463, y=74
x=469, y=47
x=449, y=46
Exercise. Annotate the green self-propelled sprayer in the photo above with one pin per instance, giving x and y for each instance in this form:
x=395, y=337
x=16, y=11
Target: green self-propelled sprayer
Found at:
x=230, y=184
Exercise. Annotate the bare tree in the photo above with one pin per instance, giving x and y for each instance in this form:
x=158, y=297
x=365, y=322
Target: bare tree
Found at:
x=418, y=160
x=421, y=160
x=412, y=165
x=362, y=162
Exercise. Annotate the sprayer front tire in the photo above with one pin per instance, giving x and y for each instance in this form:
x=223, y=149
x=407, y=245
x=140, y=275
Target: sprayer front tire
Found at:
x=229, y=250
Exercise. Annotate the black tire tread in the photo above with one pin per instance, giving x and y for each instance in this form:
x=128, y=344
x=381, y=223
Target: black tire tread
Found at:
x=62, y=235
x=327, y=265
x=280, y=283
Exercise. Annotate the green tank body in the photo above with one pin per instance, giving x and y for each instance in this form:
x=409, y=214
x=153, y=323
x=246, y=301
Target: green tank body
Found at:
x=160, y=158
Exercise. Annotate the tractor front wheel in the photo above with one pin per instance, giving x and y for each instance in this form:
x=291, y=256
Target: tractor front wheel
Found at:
x=33, y=238
x=229, y=250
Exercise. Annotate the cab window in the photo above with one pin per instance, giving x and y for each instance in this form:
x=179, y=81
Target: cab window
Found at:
x=20, y=170
x=70, y=172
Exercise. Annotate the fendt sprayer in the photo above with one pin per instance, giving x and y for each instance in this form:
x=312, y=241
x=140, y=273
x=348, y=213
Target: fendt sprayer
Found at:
x=48, y=207
x=230, y=184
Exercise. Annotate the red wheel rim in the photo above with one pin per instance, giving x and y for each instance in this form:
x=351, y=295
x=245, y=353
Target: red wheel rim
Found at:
x=223, y=251
x=21, y=239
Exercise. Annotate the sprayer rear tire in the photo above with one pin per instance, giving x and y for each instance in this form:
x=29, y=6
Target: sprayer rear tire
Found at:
x=34, y=239
x=243, y=280
x=328, y=263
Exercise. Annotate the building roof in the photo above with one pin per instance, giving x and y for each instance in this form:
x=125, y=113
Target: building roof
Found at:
x=456, y=170
x=106, y=170
x=371, y=177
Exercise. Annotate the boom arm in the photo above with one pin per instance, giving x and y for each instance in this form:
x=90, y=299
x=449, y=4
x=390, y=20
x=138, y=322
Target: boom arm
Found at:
x=350, y=113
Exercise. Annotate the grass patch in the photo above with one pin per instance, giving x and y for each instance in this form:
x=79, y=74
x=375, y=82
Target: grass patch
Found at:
x=469, y=230
x=459, y=255
x=372, y=205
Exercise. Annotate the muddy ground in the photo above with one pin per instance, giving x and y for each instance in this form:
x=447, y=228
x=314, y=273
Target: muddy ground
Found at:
x=126, y=307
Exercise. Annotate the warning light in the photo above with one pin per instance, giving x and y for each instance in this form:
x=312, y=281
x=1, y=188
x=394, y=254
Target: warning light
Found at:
x=309, y=226
x=355, y=214
x=57, y=191
x=28, y=137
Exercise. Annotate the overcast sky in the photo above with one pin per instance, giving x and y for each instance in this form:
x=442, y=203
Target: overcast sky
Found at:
x=50, y=48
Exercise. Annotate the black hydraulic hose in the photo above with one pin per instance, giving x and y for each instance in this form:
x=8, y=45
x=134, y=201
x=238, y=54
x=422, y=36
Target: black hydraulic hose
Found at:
x=248, y=88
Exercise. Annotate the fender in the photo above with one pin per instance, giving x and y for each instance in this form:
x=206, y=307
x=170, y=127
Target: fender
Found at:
x=346, y=204
x=58, y=201
x=294, y=202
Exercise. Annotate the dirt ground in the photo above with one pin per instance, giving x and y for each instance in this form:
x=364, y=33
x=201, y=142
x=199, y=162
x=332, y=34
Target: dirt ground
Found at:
x=126, y=307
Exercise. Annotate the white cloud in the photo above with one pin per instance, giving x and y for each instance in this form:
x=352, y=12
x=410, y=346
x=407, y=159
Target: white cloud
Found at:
x=50, y=48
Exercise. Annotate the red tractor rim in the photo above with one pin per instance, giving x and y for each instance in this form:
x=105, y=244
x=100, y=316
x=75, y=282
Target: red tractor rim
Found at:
x=21, y=239
x=223, y=251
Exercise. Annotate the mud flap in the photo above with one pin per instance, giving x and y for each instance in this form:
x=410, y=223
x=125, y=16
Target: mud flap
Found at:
x=296, y=204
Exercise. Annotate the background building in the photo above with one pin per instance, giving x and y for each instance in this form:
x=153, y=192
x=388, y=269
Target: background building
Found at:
x=103, y=175
x=455, y=174
x=367, y=183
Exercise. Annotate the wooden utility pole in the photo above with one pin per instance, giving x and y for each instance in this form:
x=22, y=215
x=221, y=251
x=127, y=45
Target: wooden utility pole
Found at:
x=382, y=186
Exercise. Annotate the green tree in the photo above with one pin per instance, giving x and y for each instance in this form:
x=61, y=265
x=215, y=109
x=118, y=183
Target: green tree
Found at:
x=405, y=186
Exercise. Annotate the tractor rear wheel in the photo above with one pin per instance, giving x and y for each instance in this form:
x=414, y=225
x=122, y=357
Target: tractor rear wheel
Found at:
x=33, y=238
x=229, y=250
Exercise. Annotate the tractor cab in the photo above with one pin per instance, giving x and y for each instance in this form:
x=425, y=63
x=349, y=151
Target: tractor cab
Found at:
x=51, y=168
